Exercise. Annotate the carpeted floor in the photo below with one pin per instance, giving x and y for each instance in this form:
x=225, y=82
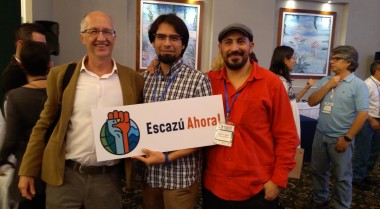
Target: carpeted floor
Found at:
x=297, y=193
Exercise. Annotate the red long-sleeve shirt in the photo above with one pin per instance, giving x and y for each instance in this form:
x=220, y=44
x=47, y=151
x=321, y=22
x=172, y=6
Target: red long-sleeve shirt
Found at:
x=264, y=141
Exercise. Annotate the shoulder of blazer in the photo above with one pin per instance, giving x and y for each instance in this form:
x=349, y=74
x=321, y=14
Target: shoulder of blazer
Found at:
x=59, y=71
x=55, y=78
x=126, y=69
x=129, y=73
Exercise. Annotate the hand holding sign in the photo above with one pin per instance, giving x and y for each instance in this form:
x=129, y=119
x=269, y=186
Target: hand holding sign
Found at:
x=187, y=124
x=151, y=157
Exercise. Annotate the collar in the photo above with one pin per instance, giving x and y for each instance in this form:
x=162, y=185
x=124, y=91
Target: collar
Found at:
x=349, y=78
x=375, y=80
x=114, y=66
x=177, y=65
x=17, y=59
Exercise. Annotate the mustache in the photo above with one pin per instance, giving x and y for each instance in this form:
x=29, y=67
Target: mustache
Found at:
x=236, y=53
x=102, y=42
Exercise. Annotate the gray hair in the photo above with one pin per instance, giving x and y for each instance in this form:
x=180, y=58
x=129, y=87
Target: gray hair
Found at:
x=349, y=54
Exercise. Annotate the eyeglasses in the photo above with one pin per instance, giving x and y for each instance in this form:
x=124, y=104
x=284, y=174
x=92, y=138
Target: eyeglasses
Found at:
x=335, y=59
x=172, y=38
x=96, y=32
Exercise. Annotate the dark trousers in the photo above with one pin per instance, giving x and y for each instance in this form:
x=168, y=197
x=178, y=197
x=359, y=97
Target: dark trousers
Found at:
x=210, y=201
x=38, y=202
x=80, y=191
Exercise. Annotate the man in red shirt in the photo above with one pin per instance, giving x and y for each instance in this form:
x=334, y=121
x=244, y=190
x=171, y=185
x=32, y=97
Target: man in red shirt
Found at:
x=251, y=169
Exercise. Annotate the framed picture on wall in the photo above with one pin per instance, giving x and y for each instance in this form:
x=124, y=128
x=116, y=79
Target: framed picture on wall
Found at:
x=311, y=34
x=190, y=13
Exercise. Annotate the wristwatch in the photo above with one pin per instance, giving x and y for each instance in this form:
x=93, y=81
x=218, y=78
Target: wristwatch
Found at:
x=347, y=139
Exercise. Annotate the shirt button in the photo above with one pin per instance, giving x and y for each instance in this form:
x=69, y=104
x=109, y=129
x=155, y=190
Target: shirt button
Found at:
x=229, y=159
x=229, y=178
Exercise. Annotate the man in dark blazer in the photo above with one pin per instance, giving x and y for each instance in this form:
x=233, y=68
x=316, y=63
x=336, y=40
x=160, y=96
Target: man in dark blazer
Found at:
x=69, y=167
x=13, y=76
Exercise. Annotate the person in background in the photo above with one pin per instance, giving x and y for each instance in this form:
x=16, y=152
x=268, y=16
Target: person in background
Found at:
x=74, y=178
x=13, y=75
x=344, y=102
x=217, y=62
x=282, y=64
x=252, y=169
x=7, y=171
x=24, y=105
x=367, y=141
x=252, y=56
x=172, y=179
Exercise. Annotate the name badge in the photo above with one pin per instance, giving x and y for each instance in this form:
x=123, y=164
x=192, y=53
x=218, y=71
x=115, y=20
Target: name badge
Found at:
x=327, y=107
x=224, y=134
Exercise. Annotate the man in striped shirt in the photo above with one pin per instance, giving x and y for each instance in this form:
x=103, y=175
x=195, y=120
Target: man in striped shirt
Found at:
x=172, y=178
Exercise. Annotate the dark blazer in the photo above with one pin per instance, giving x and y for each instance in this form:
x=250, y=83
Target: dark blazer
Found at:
x=12, y=77
x=52, y=159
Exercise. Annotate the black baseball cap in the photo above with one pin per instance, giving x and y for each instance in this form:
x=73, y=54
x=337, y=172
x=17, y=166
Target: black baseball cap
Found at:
x=236, y=26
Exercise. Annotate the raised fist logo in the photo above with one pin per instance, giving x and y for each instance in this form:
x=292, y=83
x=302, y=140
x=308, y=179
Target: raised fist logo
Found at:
x=119, y=134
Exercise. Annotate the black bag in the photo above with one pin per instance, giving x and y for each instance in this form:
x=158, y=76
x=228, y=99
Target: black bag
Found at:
x=66, y=79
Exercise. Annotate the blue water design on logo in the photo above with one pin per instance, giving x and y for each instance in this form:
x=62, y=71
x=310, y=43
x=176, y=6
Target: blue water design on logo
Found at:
x=119, y=135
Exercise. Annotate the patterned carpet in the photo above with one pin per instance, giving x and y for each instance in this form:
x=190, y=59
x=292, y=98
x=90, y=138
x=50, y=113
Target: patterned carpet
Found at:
x=297, y=193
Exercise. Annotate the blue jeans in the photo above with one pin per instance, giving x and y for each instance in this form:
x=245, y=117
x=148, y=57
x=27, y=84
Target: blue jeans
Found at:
x=324, y=153
x=367, y=145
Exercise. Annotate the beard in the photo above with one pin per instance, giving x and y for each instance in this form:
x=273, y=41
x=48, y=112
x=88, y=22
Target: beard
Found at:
x=235, y=64
x=167, y=59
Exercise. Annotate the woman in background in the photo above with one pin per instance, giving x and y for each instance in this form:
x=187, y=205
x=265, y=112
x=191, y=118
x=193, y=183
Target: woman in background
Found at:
x=282, y=64
x=23, y=107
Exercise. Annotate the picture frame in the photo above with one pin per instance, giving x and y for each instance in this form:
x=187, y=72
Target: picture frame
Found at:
x=191, y=12
x=311, y=34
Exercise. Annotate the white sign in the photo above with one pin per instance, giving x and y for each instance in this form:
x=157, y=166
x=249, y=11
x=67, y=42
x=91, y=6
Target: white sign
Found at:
x=121, y=132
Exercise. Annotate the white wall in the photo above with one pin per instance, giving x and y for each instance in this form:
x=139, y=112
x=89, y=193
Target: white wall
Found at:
x=357, y=25
x=69, y=13
x=363, y=32
x=259, y=15
x=42, y=9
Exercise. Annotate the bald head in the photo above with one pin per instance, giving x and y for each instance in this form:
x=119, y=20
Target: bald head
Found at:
x=94, y=15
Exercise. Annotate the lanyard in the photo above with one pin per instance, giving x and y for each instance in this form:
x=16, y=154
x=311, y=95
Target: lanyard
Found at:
x=166, y=87
x=332, y=90
x=332, y=94
x=228, y=108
